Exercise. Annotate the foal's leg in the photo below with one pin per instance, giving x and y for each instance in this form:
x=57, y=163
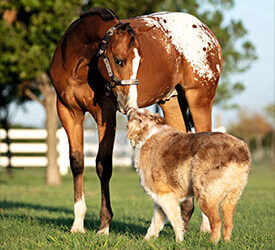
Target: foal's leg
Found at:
x=173, y=117
x=106, y=122
x=157, y=223
x=72, y=122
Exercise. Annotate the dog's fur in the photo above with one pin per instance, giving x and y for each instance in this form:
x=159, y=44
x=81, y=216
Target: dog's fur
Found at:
x=173, y=166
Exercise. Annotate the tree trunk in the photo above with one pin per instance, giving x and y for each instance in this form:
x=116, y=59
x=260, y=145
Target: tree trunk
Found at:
x=273, y=149
x=52, y=170
x=259, y=147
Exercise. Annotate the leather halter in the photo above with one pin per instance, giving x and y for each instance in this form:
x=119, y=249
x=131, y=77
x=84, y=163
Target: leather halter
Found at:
x=114, y=81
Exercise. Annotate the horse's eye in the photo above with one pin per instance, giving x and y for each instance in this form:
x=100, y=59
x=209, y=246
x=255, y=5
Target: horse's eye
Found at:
x=118, y=62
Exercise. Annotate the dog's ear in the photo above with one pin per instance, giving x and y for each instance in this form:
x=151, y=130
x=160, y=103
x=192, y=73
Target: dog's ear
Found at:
x=136, y=131
x=159, y=120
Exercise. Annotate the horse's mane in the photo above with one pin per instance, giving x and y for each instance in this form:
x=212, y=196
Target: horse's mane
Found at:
x=104, y=13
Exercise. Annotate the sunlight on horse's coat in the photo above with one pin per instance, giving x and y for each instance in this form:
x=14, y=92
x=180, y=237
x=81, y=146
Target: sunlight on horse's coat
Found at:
x=190, y=37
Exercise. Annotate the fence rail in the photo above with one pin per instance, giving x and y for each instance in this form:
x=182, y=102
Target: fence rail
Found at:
x=32, y=154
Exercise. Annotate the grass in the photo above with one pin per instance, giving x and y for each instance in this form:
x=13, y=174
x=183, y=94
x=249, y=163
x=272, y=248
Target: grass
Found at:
x=34, y=216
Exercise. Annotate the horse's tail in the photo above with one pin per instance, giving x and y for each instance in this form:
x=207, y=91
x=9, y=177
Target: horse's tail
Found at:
x=185, y=111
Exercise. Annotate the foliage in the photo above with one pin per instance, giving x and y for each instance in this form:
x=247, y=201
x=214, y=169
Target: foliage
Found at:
x=256, y=131
x=29, y=41
x=33, y=216
x=250, y=125
x=270, y=111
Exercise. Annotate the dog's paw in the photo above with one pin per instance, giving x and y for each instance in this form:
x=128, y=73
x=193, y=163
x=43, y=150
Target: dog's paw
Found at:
x=205, y=226
x=104, y=230
x=77, y=229
x=150, y=236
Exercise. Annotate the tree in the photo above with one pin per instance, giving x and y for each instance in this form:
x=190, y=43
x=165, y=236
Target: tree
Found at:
x=30, y=41
x=270, y=111
x=252, y=128
x=8, y=77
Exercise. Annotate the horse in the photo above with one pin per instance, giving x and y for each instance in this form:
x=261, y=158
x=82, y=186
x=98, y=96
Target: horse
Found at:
x=103, y=64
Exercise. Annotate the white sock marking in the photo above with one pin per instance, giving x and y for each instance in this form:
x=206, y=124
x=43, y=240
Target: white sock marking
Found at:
x=79, y=214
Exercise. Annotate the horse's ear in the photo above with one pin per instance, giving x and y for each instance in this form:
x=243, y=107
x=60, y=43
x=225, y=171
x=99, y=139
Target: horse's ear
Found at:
x=122, y=28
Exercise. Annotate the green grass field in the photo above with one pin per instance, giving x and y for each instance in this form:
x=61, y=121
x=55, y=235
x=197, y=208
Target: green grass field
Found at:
x=34, y=216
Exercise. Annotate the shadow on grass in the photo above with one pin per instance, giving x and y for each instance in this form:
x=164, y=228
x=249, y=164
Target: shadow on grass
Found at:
x=11, y=204
x=64, y=224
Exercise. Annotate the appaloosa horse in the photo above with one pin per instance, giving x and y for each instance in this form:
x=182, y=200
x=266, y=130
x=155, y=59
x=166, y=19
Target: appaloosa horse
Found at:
x=173, y=57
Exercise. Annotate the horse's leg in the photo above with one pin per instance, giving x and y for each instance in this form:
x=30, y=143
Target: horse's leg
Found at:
x=174, y=117
x=200, y=104
x=71, y=120
x=172, y=113
x=106, y=123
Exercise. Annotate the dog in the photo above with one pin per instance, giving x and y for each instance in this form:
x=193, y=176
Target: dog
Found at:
x=174, y=166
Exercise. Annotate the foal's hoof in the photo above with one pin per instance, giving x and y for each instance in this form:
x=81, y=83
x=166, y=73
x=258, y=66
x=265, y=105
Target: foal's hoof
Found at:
x=104, y=230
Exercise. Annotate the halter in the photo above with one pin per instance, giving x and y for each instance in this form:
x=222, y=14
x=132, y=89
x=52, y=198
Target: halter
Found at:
x=114, y=81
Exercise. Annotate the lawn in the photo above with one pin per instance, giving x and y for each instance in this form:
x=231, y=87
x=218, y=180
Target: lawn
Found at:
x=34, y=216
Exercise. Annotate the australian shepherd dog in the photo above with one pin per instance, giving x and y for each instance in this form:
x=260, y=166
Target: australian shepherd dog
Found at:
x=173, y=166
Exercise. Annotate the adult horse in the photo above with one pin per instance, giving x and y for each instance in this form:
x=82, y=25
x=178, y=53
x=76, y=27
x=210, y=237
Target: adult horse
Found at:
x=96, y=67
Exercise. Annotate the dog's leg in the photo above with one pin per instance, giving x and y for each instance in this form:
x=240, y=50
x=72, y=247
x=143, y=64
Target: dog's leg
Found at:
x=205, y=225
x=157, y=223
x=170, y=206
x=211, y=210
x=228, y=207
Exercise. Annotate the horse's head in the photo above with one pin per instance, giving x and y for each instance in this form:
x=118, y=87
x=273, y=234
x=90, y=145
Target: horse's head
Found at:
x=121, y=59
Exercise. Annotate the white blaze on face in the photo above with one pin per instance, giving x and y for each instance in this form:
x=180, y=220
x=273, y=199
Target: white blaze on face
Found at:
x=131, y=100
x=132, y=95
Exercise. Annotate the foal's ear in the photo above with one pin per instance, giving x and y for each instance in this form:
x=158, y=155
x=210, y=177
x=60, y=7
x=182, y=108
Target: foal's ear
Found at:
x=122, y=28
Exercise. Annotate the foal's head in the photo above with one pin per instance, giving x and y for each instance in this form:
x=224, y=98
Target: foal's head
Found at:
x=123, y=55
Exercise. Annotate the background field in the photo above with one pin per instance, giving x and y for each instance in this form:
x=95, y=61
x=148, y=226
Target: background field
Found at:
x=35, y=216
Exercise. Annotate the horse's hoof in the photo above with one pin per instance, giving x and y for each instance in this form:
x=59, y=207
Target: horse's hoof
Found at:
x=104, y=230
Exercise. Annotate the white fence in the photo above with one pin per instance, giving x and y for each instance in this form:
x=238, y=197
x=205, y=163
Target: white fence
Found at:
x=123, y=153
x=122, y=150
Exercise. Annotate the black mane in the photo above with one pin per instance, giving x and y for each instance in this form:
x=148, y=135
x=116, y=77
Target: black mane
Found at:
x=104, y=13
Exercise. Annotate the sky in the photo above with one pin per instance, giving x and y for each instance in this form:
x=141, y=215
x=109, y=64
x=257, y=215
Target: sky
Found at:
x=258, y=18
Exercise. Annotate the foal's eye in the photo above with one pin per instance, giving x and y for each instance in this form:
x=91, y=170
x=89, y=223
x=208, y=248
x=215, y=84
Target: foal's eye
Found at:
x=118, y=62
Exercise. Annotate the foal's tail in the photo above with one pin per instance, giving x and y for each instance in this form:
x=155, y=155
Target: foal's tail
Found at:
x=185, y=111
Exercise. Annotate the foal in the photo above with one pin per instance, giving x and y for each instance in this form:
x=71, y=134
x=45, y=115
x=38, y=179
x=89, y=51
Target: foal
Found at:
x=174, y=166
